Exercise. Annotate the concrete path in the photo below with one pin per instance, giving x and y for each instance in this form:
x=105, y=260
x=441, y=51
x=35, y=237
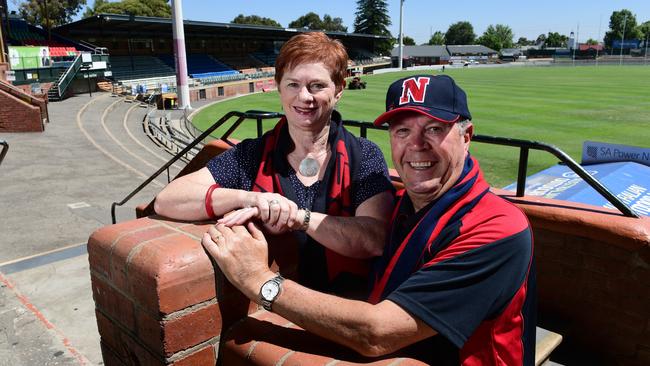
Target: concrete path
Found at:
x=56, y=188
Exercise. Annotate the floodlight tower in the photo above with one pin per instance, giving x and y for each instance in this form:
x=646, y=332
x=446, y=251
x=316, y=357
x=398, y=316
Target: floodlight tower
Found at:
x=182, y=88
x=401, y=35
x=620, y=62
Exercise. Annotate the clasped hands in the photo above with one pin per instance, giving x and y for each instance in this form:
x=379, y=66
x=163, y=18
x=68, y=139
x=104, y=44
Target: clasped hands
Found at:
x=277, y=213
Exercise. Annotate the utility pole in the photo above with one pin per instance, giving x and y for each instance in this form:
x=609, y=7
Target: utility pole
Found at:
x=401, y=35
x=182, y=88
x=620, y=62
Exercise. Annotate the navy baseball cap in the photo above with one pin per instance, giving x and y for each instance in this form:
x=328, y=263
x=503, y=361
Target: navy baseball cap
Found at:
x=436, y=96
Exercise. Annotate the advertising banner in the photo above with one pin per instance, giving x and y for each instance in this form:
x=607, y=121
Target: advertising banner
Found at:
x=29, y=57
x=629, y=181
x=601, y=152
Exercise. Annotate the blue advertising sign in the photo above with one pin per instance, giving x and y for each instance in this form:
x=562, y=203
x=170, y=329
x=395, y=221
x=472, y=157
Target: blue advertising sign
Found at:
x=628, y=43
x=629, y=181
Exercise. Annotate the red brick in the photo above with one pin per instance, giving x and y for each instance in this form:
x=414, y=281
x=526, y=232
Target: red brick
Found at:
x=123, y=247
x=196, y=229
x=113, y=303
x=267, y=354
x=206, y=356
x=125, y=348
x=101, y=242
x=191, y=329
x=170, y=273
x=109, y=357
x=19, y=112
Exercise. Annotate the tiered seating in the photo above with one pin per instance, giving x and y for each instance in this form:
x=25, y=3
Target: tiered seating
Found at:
x=241, y=62
x=198, y=64
x=266, y=57
x=63, y=51
x=141, y=67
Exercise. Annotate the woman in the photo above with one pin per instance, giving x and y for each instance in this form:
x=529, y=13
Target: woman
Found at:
x=308, y=175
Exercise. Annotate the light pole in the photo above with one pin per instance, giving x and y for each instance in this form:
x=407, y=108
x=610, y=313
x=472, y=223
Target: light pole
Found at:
x=620, y=62
x=401, y=35
x=182, y=88
x=600, y=21
x=645, y=54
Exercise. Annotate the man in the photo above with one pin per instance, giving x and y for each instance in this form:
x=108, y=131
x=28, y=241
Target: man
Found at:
x=456, y=280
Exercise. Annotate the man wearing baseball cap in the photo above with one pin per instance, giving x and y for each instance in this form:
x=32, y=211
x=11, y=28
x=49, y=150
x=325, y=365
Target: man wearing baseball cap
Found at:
x=456, y=282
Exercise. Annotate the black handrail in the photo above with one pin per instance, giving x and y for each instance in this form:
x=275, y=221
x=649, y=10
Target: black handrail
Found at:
x=257, y=115
x=523, y=145
x=5, y=148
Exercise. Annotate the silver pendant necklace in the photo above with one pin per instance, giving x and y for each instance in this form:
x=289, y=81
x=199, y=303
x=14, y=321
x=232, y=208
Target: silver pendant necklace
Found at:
x=308, y=167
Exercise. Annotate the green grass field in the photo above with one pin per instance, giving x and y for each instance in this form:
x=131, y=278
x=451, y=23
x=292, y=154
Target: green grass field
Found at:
x=563, y=106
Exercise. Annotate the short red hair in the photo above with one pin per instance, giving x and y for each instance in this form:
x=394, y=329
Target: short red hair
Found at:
x=313, y=47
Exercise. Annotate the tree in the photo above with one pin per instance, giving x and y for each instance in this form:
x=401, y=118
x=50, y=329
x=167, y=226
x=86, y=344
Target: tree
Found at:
x=408, y=41
x=555, y=39
x=540, y=39
x=438, y=38
x=145, y=8
x=497, y=37
x=523, y=41
x=460, y=33
x=592, y=42
x=372, y=17
x=333, y=24
x=313, y=21
x=644, y=28
x=57, y=12
x=255, y=20
x=618, y=20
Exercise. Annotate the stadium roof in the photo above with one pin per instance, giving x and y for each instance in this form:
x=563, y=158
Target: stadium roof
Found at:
x=459, y=50
x=128, y=24
x=421, y=51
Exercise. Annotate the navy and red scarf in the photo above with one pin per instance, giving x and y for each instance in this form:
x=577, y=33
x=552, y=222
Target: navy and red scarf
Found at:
x=319, y=267
x=429, y=235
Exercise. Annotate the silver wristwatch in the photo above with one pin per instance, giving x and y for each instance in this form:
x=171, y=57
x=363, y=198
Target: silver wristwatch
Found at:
x=270, y=291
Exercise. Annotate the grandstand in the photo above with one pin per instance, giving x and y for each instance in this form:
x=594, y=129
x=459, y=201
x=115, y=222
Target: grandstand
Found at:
x=142, y=47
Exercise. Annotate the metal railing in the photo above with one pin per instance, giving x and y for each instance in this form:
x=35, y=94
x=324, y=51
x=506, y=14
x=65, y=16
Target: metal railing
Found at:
x=524, y=147
x=5, y=148
x=257, y=115
x=68, y=76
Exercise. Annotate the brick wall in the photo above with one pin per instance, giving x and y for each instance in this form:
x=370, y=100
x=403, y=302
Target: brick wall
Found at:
x=18, y=115
x=593, y=270
x=159, y=301
x=231, y=89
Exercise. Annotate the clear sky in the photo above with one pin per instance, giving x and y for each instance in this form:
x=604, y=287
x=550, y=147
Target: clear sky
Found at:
x=421, y=17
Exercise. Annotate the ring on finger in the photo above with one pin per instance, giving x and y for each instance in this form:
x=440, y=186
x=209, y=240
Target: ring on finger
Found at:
x=218, y=237
x=274, y=202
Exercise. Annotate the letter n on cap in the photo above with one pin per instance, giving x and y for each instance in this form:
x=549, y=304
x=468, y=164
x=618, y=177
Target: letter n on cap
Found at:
x=414, y=89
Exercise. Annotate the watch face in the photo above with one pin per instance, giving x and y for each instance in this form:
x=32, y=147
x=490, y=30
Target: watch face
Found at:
x=270, y=290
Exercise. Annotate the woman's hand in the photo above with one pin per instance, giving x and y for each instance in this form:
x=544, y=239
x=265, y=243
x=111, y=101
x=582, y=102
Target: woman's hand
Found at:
x=277, y=213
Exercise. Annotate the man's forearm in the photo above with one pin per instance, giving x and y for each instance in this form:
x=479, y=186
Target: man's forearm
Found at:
x=356, y=237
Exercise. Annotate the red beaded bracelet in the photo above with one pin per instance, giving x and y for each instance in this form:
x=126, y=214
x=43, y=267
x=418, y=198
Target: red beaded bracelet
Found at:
x=208, y=201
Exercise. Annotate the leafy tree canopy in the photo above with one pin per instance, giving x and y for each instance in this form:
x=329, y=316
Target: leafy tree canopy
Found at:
x=408, y=41
x=540, y=39
x=523, y=41
x=438, y=38
x=555, y=39
x=592, y=42
x=255, y=20
x=497, y=37
x=372, y=17
x=58, y=12
x=644, y=28
x=460, y=33
x=313, y=21
x=619, y=20
x=145, y=8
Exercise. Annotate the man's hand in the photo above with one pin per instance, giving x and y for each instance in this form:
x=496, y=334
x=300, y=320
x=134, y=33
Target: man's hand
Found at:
x=242, y=255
